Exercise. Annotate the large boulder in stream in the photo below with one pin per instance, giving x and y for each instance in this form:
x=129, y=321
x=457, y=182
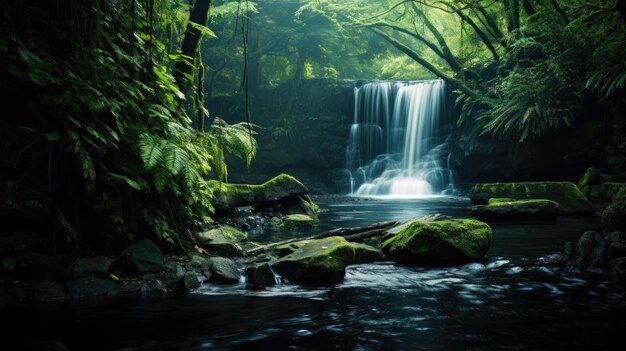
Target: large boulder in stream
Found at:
x=320, y=261
x=514, y=210
x=271, y=193
x=442, y=242
x=570, y=200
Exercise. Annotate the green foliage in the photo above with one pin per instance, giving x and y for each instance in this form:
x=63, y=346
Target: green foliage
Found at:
x=102, y=121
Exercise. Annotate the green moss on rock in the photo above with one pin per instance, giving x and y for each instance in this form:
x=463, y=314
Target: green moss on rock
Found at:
x=590, y=177
x=504, y=209
x=323, y=260
x=569, y=198
x=614, y=215
x=616, y=242
x=439, y=242
x=223, y=234
x=230, y=196
x=296, y=221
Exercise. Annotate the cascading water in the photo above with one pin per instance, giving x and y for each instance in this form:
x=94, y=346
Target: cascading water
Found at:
x=394, y=147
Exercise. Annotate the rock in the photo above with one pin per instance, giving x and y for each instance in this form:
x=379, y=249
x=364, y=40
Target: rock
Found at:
x=297, y=221
x=322, y=261
x=302, y=205
x=570, y=200
x=223, y=270
x=90, y=286
x=142, y=257
x=32, y=265
x=189, y=281
x=98, y=265
x=223, y=234
x=616, y=242
x=172, y=272
x=590, y=177
x=17, y=241
x=261, y=274
x=610, y=191
x=47, y=292
x=591, y=251
x=224, y=248
x=614, y=215
x=617, y=267
x=500, y=209
x=268, y=194
x=439, y=242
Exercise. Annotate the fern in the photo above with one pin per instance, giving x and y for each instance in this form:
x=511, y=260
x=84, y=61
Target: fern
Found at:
x=151, y=152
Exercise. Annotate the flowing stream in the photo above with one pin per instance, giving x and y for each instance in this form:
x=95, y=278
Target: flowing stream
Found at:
x=395, y=147
x=518, y=299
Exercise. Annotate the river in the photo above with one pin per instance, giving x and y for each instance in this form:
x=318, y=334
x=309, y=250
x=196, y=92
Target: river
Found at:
x=518, y=299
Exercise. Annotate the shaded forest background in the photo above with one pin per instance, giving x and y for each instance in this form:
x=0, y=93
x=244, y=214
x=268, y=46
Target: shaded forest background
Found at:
x=114, y=135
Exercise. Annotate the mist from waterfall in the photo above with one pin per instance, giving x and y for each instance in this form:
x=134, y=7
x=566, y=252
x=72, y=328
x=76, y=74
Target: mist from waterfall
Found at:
x=394, y=147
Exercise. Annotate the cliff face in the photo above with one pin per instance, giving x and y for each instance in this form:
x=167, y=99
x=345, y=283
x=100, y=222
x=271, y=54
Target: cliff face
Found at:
x=303, y=130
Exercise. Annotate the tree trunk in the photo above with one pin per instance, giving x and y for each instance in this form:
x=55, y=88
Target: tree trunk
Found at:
x=199, y=14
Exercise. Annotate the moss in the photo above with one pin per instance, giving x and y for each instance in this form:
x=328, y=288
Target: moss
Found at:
x=511, y=209
x=614, y=215
x=323, y=260
x=223, y=234
x=295, y=221
x=590, y=177
x=566, y=194
x=229, y=196
x=439, y=242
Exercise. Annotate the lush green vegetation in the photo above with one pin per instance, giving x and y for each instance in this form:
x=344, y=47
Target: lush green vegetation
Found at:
x=105, y=101
x=99, y=118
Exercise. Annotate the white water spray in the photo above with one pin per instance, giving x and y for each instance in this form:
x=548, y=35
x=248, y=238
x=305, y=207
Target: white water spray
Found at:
x=393, y=147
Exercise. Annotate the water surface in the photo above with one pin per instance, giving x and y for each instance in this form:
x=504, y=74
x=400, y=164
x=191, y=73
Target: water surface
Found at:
x=517, y=299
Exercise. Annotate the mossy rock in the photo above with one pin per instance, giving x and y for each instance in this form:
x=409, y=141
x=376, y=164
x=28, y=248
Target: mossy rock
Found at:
x=297, y=221
x=223, y=234
x=268, y=194
x=504, y=209
x=570, y=200
x=439, y=242
x=189, y=281
x=322, y=261
x=223, y=270
x=99, y=265
x=614, y=215
x=303, y=205
x=140, y=258
x=616, y=242
x=590, y=177
x=591, y=251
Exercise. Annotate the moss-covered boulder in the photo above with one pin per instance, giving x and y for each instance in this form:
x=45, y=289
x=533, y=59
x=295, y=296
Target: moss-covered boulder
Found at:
x=321, y=261
x=500, y=209
x=570, y=200
x=591, y=251
x=297, y=221
x=439, y=242
x=268, y=194
x=590, y=177
x=302, y=205
x=223, y=270
x=189, y=281
x=223, y=233
x=98, y=265
x=223, y=240
x=614, y=215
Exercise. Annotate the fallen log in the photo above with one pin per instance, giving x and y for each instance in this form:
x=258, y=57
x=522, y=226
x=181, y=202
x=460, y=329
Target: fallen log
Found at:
x=354, y=233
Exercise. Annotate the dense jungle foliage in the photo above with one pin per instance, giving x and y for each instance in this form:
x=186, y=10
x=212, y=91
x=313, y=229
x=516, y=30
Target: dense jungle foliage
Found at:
x=105, y=101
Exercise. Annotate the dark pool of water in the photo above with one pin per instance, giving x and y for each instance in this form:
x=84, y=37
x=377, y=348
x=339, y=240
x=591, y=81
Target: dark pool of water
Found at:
x=516, y=300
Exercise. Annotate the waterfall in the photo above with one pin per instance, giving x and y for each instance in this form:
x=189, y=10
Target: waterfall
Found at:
x=395, y=147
